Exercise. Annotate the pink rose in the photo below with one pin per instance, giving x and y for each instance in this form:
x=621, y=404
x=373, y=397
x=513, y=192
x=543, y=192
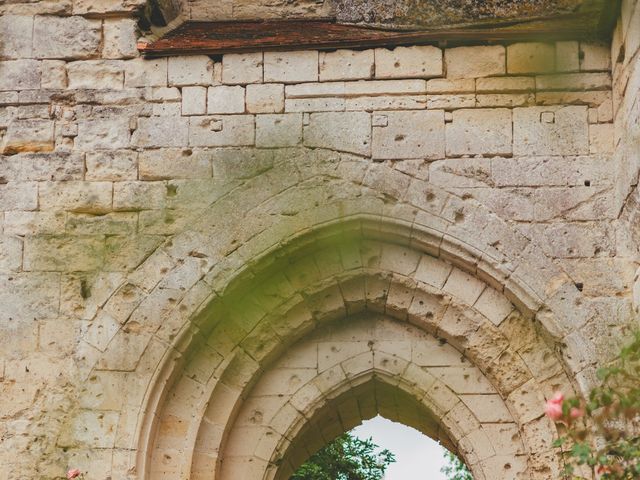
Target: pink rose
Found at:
x=73, y=473
x=558, y=398
x=553, y=410
x=576, y=412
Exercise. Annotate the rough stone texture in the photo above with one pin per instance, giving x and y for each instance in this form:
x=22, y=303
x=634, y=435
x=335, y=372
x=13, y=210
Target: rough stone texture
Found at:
x=408, y=62
x=531, y=58
x=336, y=243
x=59, y=37
x=465, y=62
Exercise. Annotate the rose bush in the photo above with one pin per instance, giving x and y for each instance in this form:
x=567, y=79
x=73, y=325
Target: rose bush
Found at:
x=603, y=432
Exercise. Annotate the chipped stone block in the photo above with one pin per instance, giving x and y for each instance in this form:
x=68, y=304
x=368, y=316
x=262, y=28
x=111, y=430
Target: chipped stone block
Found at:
x=265, y=98
x=242, y=68
x=346, y=65
x=161, y=132
x=278, y=130
x=342, y=131
x=28, y=136
x=595, y=57
x=418, y=134
x=480, y=132
x=103, y=134
x=96, y=74
x=66, y=37
x=567, y=56
x=112, y=165
x=222, y=131
x=601, y=138
x=531, y=58
x=194, y=100
x=225, y=99
x=291, y=67
x=408, y=62
x=19, y=75
x=550, y=130
x=142, y=72
x=190, y=70
x=16, y=32
x=120, y=36
x=473, y=62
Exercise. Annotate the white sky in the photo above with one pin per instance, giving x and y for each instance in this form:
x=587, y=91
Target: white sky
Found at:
x=418, y=457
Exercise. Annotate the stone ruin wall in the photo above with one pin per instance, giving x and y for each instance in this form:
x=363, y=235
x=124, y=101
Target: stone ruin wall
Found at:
x=107, y=157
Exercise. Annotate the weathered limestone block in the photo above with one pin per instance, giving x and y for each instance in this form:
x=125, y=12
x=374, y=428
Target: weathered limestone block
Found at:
x=472, y=62
x=97, y=7
x=82, y=197
x=96, y=74
x=112, y=165
x=222, y=131
x=279, y=130
x=346, y=65
x=54, y=74
x=451, y=102
x=16, y=32
x=194, y=100
x=161, y=132
x=550, y=131
x=19, y=196
x=531, y=58
x=190, y=70
x=291, y=67
x=595, y=57
x=10, y=254
x=601, y=138
x=64, y=253
x=574, y=81
x=567, y=56
x=174, y=164
x=405, y=135
x=42, y=167
x=28, y=136
x=225, y=99
x=133, y=196
x=146, y=73
x=505, y=85
x=408, y=62
x=343, y=131
x=103, y=134
x=120, y=37
x=480, y=132
x=386, y=102
x=242, y=68
x=19, y=75
x=66, y=37
x=509, y=100
x=446, y=85
x=265, y=98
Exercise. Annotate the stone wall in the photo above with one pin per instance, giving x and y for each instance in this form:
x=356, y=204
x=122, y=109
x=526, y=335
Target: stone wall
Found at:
x=134, y=193
x=625, y=50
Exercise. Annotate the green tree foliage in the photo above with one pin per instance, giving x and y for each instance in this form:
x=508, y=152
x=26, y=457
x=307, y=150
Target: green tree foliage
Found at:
x=346, y=458
x=455, y=469
x=611, y=413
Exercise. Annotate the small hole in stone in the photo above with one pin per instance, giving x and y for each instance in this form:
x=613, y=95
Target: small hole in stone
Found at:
x=579, y=286
x=587, y=183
